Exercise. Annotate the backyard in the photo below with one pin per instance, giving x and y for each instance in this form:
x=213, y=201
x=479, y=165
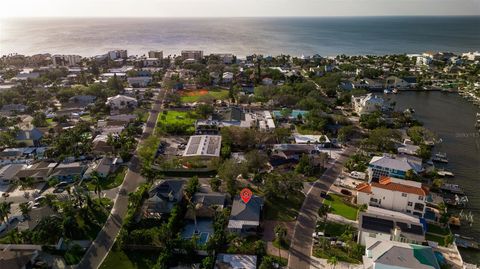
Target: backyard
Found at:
x=340, y=207
x=131, y=259
x=198, y=95
x=177, y=122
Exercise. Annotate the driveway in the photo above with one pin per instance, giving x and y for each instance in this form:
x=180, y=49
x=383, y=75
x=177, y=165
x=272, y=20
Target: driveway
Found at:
x=302, y=241
x=99, y=249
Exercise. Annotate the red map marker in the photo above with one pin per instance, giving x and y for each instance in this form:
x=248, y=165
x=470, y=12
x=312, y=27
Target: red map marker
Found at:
x=246, y=194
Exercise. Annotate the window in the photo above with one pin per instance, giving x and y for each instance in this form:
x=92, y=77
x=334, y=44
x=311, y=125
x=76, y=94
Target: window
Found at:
x=373, y=200
x=409, y=211
x=404, y=195
x=410, y=204
x=420, y=198
x=419, y=207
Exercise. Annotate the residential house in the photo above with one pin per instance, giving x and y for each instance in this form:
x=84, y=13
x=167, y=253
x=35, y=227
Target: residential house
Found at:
x=267, y=81
x=103, y=167
x=294, y=115
x=8, y=173
x=383, y=224
x=29, y=138
x=226, y=58
x=82, y=100
x=367, y=104
x=139, y=81
x=393, y=166
x=235, y=261
x=206, y=204
x=152, y=61
x=163, y=197
x=407, y=147
x=311, y=139
x=245, y=217
x=21, y=155
x=391, y=254
x=68, y=171
x=203, y=146
x=227, y=77
x=11, y=109
x=394, y=194
x=121, y=102
x=39, y=171
x=121, y=119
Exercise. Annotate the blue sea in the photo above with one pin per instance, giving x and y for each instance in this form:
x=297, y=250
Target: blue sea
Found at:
x=326, y=36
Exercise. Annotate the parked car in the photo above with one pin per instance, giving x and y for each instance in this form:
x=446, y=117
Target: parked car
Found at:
x=39, y=199
x=357, y=175
x=323, y=194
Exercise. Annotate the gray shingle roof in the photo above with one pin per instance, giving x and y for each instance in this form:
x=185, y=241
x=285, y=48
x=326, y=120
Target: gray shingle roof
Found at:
x=249, y=212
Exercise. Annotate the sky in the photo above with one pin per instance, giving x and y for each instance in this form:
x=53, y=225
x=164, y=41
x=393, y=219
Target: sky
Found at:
x=234, y=8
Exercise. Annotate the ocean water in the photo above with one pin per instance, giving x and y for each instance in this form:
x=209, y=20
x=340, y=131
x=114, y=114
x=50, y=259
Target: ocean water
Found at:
x=326, y=36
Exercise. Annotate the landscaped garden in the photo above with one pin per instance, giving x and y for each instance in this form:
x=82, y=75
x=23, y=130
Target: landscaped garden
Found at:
x=111, y=181
x=277, y=208
x=339, y=206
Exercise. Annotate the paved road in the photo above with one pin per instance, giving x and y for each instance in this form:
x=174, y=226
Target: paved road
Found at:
x=99, y=249
x=302, y=241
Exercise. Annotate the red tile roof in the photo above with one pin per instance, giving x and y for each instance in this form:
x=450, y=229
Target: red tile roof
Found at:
x=387, y=184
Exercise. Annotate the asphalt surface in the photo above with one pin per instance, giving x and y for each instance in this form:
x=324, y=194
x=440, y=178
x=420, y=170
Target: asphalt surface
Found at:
x=98, y=250
x=302, y=241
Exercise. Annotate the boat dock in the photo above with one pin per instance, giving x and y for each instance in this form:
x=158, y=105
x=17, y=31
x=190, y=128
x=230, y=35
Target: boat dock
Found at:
x=466, y=242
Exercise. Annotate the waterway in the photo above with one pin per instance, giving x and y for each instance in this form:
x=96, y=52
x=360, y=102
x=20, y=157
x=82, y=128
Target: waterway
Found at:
x=452, y=118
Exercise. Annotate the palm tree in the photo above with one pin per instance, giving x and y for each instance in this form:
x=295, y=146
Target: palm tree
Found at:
x=5, y=211
x=333, y=261
x=97, y=183
x=25, y=208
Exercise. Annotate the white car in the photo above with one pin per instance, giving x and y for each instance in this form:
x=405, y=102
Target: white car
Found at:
x=318, y=234
x=39, y=199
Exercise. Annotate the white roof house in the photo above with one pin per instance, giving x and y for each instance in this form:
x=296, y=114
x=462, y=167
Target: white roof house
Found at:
x=121, y=101
x=203, y=145
x=235, y=261
x=310, y=139
x=393, y=166
x=367, y=104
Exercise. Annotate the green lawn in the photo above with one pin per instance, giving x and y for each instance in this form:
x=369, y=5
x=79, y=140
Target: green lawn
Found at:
x=112, y=181
x=218, y=94
x=130, y=259
x=439, y=239
x=432, y=228
x=283, y=209
x=339, y=207
x=177, y=122
x=331, y=228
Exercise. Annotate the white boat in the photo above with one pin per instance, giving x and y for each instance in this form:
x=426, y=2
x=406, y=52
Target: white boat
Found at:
x=445, y=173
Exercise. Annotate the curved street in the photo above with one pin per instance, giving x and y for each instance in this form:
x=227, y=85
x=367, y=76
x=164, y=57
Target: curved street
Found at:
x=99, y=248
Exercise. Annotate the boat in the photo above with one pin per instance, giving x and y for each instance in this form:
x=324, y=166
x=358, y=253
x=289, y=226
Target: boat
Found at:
x=466, y=242
x=395, y=91
x=445, y=173
x=452, y=188
x=440, y=157
x=387, y=91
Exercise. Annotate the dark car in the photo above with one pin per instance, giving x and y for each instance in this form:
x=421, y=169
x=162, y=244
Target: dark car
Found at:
x=323, y=194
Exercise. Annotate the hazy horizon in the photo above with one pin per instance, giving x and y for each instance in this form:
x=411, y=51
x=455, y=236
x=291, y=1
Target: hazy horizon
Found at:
x=233, y=8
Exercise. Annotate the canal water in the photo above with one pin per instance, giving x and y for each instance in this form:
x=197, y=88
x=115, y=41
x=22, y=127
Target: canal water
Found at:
x=452, y=118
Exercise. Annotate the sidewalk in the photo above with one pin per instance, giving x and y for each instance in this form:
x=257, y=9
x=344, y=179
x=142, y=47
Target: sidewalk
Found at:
x=317, y=263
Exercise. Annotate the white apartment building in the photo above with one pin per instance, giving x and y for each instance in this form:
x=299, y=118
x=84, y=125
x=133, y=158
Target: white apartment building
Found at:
x=117, y=54
x=394, y=194
x=66, y=60
x=367, y=104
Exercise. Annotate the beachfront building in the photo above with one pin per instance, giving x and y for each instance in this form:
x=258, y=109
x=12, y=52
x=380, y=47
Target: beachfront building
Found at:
x=155, y=54
x=196, y=55
x=393, y=166
x=66, y=60
x=367, y=104
x=394, y=194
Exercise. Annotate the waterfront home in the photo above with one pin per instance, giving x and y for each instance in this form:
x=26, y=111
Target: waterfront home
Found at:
x=121, y=102
x=391, y=254
x=367, y=104
x=394, y=194
x=407, y=147
x=396, y=82
x=393, y=166
x=389, y=225
x=163, y=197
x=203, y=146
x=245, y=217
x=235, y=261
